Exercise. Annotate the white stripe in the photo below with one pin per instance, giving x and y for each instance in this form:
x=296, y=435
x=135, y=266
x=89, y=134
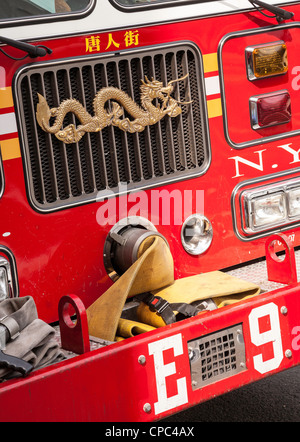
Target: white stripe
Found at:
x=212, y=85
x=8, y=124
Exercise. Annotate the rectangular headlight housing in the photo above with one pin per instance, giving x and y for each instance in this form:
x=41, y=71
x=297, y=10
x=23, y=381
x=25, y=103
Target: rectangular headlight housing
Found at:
x=265, y=210
x=268, y=210
x=267, y=207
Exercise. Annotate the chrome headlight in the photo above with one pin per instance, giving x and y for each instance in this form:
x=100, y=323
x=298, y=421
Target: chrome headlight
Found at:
x=265, y=210
x=267, y=207
x=294, y=202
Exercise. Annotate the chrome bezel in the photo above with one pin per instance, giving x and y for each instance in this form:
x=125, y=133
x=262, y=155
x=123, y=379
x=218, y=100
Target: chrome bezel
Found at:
x=202, y=246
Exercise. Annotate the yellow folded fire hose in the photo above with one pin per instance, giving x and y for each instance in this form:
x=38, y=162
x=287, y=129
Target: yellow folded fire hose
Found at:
x=153, y=272
x=128, y=328
x=154, y=269
x=224, y=289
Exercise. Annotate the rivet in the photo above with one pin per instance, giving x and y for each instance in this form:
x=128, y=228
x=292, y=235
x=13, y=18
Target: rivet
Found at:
x=142, y=360
x=288, y=353
x=284, y=310
x=147, y=408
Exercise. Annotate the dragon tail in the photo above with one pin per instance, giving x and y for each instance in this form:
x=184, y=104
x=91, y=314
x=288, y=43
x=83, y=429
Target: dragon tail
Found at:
x=43, y=115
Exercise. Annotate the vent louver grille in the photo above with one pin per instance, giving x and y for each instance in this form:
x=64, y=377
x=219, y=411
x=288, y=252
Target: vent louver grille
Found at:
x=60, y=175
x=217, y=356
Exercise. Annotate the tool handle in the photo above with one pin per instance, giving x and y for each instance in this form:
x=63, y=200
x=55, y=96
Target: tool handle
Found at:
x=15, y=364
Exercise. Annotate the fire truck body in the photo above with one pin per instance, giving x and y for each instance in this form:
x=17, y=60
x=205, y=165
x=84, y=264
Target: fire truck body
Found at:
x=231, y=154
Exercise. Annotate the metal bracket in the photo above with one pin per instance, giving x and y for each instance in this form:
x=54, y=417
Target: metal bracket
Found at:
x=74, y=335
x=281, y=269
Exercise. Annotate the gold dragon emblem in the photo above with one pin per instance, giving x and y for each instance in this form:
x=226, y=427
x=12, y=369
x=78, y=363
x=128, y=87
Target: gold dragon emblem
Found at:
x=145, y=115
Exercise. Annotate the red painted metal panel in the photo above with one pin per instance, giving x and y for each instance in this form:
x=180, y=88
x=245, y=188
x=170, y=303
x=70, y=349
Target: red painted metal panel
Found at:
x=233, y=61
x=71, y=257
x=56, y=255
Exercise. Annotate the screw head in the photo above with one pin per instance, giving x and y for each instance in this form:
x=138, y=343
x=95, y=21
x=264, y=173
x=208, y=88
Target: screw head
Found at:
x=191, y=353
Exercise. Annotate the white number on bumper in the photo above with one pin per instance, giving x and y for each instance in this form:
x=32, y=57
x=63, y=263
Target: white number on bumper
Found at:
x=273, y=335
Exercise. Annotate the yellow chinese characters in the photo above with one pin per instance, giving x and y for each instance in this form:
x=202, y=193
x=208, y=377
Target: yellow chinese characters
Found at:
x=94, y=43
x=131, y=38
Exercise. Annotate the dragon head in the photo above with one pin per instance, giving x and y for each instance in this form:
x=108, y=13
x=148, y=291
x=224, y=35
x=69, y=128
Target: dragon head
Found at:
x=152, y=89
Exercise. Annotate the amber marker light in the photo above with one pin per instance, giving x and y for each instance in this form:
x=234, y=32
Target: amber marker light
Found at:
x=270, y=109
x=266, y=60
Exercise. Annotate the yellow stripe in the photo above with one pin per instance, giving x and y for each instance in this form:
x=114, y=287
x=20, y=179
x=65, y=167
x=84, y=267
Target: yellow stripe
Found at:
x=10, y=149
x=214, y=108
x=210, y=62
x=6, y=98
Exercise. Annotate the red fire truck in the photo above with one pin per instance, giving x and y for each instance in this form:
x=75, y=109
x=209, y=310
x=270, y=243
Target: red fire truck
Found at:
x=124, y=120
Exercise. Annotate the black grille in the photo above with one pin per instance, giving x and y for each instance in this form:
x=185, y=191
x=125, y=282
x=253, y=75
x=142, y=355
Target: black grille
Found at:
x=175, y=148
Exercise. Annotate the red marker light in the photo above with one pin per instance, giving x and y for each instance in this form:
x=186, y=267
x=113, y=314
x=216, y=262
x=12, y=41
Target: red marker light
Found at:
x=270, y=109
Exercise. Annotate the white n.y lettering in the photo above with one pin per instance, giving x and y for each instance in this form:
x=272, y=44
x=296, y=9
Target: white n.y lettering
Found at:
x=294, y=152
x=238, y=160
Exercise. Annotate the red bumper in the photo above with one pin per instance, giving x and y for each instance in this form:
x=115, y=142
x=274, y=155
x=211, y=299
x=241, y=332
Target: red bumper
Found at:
x=150, y=377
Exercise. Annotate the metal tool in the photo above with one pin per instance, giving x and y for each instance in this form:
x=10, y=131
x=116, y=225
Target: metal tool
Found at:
x=11, y=362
